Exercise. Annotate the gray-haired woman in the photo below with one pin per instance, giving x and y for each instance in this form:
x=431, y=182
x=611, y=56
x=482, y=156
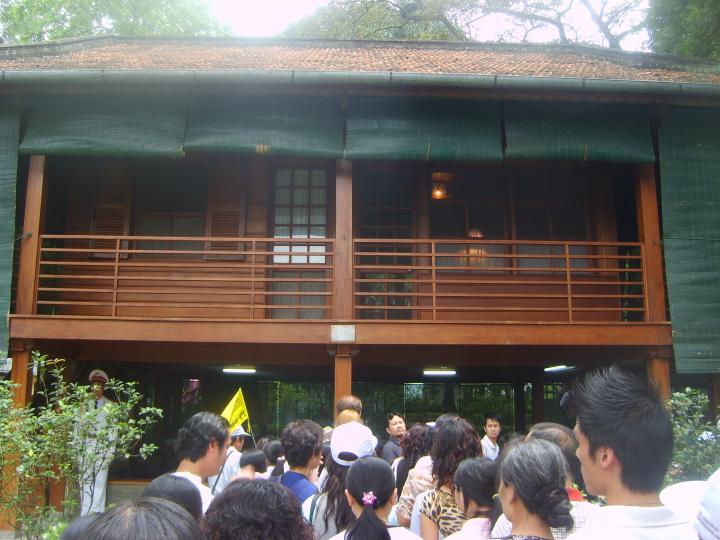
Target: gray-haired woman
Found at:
x=532, y=490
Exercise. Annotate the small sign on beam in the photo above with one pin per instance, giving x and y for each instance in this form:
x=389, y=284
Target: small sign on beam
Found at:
x=342, y=333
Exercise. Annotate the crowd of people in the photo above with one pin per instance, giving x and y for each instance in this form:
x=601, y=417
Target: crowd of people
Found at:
x=600, y=480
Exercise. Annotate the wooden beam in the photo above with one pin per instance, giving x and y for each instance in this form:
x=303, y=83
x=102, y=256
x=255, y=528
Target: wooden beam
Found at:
x=343, y=249
x=648, y=218
x=658, y=371
x=342, y=372
x=318, y=332
x=32, y=228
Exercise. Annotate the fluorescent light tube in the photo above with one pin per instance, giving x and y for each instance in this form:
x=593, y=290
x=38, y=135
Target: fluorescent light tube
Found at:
x=242, y=370
x=440, y=372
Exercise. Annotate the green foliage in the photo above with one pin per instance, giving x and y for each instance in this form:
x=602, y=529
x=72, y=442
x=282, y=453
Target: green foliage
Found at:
x=695, y=455
x=688, y=27
x=27, y=21
x=50, y=442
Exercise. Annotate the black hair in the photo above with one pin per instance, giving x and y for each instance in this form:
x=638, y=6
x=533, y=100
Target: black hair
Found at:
x=261, y=442
x=301, y=440
x=446, y=418
x=77, y=527
x=564, y=437
x=178, y=490
x=390, y=416
x=254, y=457
x=348, y=402
x=255, y=510
x=416, y=443
x=494, y=417
x=149, y=518
x=475, y=478
x=197, y=433
x=336, y=506
x=617, y=409
x=536, y=471
x=273, y=451
x=454, y=441
x=371, y=483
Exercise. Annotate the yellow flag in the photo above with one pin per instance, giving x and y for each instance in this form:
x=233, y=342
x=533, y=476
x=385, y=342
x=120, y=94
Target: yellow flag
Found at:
x=236, y=412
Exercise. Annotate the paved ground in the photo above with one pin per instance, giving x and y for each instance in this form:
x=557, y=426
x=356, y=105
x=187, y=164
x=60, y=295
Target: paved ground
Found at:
x=7, y=535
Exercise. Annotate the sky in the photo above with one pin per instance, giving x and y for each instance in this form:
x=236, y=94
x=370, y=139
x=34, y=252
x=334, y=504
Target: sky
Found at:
x=266, y=18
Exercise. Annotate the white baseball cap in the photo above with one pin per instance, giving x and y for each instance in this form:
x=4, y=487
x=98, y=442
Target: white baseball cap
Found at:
x=98, y=375
x=351, y=441
x=239, y=432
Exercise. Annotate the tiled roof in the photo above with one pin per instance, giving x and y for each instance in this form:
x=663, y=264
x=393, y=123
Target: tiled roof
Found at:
x=205, y=54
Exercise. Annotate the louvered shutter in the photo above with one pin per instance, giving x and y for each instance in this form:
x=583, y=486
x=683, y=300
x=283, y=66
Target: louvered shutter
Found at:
x=112, y=204
x=226, y=210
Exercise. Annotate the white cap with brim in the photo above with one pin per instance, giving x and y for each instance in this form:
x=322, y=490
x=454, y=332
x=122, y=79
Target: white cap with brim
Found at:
x=351, y=441
x=98, y=375
x=707, y=522
x=239, y=432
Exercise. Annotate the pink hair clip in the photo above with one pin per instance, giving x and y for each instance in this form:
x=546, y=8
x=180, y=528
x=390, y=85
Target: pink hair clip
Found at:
x=369, y=498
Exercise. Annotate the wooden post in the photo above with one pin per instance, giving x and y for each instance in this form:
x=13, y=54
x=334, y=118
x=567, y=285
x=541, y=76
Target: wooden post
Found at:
x=538, y=398
x=714, y=397
x=658, y=371
x=649, y=234
x=342, y=372
x=21, y=352
x=343, y=294
x=519, y=398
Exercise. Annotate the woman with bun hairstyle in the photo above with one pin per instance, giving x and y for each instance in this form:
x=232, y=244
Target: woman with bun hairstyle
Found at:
x=532, y=490
x=371, y=494
x=474, y=491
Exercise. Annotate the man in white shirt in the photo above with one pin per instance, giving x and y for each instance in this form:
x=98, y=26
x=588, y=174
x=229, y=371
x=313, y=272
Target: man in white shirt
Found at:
x=493, y=425
x=625, y=442
x=201, y=446
x=232, y=463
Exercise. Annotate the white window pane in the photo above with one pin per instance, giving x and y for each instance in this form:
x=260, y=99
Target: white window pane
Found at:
x=318, y=196
x=282, y=231
x=300, y=196
x=317, y=216
x=318, y=232
x=282, y=215
x=282, y=196
x=300, y=216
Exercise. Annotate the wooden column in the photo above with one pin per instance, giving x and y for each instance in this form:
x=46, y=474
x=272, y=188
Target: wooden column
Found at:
x=342, y=372
x=658, y=371
x=649, y=234
x=714, y=396
x=343, y=293
x=538, y=399
x=21, y=352
x=519, y=398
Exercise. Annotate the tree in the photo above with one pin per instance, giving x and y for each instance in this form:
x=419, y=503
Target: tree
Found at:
x=690, y=27
x=27, y=21
x=607, y=22
x=48, y=442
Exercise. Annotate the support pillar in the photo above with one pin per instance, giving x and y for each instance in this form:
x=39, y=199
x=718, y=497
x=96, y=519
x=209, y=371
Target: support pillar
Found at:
x=21, y=352
x=342, y=372
x=658, y=371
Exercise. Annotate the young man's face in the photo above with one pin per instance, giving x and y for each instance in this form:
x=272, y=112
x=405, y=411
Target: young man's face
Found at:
x=98, y=389
x=216, y=454
x=591, y=471
x=396, y=427
x=492, y=429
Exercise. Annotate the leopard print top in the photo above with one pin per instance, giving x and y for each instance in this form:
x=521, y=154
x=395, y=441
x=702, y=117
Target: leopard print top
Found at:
x=440, y=507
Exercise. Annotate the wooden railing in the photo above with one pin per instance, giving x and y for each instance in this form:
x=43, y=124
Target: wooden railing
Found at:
x=499, y=280
x=185, y=277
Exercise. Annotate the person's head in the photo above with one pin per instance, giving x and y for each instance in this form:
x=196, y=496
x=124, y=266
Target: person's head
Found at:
x=255, y=510
x=346, y=416
x=564, y=437
x=532, y=480
x=149, y=518
x=416, y=443
x=348, y=402
x=176, y=489
x=624, y=434
x=370, y=487
x=302, y=443
x=253, y=460
x=454, y=441
x=395, y=425
x=350, y=442
x=273, y=451
x=77, y=527
x=98, y=379
x=475, y=486
x=445, y=418
x=203, y=440
x=237, y=438
x=261, y=442
x=493, y=425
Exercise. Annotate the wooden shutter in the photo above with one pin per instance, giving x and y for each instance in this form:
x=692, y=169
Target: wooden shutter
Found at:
x=226, y=210
x=112, y=204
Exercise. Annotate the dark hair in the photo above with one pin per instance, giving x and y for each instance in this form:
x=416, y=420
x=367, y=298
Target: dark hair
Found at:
x=149, y=518
x=197, y=433
x=494, y=417
x=390, y=416
x=475, y=478
x=273, y=451
x=261, y=442
x=350, y=402
x=178, y=490
x=536, y=471
x=301, y=440
x=564, y=437
x=77, y=527
x=619, y=410
x=336, y=506
x=255, y=510
x=454, y=442
x=446, y=418
x=416, y=443
x=254, y=457
x=370, y=474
